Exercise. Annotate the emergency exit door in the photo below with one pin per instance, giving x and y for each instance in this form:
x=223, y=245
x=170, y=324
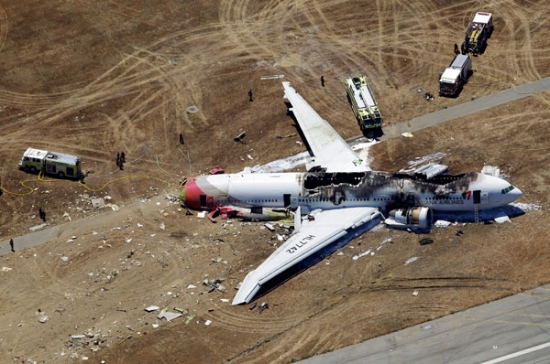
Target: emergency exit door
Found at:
x=481, y=197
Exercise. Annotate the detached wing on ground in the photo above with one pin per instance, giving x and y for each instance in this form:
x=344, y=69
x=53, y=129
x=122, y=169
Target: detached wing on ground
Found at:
x=329, y=149
x=309, y=239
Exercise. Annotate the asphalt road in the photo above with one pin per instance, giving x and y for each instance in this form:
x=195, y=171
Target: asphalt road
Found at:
x=467, y=108
x=512, y=330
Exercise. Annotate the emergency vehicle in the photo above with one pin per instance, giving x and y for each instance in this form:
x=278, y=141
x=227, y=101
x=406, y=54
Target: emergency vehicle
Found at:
x=477, y=33
x=363, y=103
x=52, y=163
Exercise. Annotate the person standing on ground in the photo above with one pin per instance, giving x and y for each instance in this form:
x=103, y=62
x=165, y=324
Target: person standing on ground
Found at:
x=11, y=245
x=323, y=81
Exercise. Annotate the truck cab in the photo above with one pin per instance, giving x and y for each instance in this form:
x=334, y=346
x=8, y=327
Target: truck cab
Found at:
x=33, y=160
x=454, y=77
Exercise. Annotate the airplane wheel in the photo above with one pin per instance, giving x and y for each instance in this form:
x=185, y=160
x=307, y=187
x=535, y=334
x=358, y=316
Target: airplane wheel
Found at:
x=32, y=169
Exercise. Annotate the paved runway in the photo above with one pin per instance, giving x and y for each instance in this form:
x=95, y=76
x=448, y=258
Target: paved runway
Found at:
x=512, y=330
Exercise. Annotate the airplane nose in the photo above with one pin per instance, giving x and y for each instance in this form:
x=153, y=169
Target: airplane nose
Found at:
x=192, y=194
x=515, y=194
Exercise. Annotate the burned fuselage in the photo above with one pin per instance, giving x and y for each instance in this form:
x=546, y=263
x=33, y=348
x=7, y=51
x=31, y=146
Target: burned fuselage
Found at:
x=386, y=190
x=258, y=193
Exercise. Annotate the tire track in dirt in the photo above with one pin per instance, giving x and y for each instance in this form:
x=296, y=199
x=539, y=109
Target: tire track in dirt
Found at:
x=520, y=34
x=250, y=322
x=3, y=28
x=272, y=348
x=30, y=101
x=396, y=284
x=248, y=33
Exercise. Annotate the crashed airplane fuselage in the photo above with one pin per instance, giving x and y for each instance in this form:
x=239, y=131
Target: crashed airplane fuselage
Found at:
x=255, y=196
x=341, y=196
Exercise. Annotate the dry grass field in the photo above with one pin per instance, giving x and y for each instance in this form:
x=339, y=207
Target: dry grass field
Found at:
x=94, y=78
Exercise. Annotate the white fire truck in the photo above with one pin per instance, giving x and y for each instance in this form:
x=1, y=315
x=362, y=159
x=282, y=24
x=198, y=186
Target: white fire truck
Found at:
x=52, y=163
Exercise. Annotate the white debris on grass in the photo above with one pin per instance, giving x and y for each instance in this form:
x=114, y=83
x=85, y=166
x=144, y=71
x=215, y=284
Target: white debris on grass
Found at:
x=426, y=159
x=410, y=260
x=303, y=158
x=169, y=316
x=502, y=218
x=415, y=293
x=207, y=323
x=43, y=318
x=201, y=215
x=371, y=251
x=280, y=165
x=491, y=171
x=271, y=77
x=442, y=223
x=151, y=308
x=362, y=149
x=526, y=206
x=355, y=257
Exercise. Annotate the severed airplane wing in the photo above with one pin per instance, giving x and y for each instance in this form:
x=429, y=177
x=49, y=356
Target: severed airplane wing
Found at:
x=329, y=149
x=309, y=238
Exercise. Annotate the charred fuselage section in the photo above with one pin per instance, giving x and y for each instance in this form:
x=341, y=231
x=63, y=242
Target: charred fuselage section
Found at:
x=392, y=190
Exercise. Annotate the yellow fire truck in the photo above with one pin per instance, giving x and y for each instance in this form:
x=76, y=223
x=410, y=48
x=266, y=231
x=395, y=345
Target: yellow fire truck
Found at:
x=52, y=163
x=363, y=103
x=477, y=33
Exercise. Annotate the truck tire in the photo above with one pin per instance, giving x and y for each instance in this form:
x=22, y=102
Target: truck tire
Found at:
x=61, y=174
x=32, y=169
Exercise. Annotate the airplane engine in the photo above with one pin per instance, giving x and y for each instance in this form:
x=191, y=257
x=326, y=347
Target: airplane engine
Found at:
x=418, y=218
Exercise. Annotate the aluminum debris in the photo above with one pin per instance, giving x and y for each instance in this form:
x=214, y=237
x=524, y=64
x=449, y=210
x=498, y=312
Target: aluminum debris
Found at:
x=152, y=308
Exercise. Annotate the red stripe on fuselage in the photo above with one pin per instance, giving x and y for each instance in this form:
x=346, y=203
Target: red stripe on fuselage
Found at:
x=192, y=194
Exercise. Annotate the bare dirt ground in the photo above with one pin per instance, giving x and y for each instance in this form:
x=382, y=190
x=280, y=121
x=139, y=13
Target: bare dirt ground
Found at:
x=95, y=78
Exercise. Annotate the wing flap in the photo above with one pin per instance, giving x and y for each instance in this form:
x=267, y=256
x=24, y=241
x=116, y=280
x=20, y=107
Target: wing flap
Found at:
x=329, y=149
x=327, y=227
